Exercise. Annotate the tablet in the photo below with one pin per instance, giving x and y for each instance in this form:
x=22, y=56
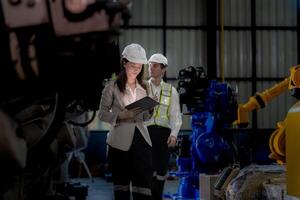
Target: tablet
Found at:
x=145, y=103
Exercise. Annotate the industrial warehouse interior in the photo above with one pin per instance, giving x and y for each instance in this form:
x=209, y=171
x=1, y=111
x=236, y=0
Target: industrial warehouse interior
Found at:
x=221, y=122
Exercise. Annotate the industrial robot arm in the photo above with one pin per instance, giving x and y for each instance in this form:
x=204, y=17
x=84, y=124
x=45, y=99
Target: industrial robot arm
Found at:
x=277, y=139
x=260, y=100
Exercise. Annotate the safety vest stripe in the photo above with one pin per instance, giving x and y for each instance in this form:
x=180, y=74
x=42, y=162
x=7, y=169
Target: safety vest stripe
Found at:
x=141, y=190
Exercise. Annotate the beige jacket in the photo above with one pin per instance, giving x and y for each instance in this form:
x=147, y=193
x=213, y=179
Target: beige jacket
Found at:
x=121, y=134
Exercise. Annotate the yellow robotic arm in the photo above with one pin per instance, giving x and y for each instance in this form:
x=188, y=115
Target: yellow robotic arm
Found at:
x=277, y=140
x=260, y=100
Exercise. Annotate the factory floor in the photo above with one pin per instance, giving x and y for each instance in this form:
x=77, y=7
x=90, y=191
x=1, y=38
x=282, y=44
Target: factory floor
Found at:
x=99, y=188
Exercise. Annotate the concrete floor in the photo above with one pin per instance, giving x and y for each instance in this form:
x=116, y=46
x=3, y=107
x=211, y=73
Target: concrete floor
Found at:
x=101, y=189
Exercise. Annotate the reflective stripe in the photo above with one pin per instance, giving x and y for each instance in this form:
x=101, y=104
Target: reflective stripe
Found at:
x=154, y=173
x=161, y=116
x=159, y=177
x=141, y=190
x=121, y=187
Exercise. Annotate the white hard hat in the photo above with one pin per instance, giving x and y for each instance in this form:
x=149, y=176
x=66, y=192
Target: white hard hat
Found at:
x=135, y=53
x=158, y=58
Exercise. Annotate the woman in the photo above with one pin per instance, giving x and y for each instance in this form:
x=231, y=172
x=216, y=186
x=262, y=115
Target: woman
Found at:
x=129, y=141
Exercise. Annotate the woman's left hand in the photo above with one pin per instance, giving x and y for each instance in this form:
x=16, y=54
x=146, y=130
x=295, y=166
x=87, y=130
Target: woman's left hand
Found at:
x=171, y=141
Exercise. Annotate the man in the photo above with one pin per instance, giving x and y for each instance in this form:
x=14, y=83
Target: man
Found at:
x=165, y=122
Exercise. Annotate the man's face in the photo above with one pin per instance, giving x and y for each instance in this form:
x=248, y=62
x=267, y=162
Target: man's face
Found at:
x=156, y=70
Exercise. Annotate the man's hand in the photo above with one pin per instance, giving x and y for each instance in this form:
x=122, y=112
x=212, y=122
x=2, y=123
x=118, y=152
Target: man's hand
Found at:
x=129, y=114
x=155, y=98
x=171, y=141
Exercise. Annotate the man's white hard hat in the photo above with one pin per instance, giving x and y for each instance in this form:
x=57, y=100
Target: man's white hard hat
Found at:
x=135, y=53
x=158, y=58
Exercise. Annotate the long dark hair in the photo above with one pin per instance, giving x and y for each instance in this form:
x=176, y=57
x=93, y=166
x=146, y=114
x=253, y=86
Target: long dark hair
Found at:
x=122, y=77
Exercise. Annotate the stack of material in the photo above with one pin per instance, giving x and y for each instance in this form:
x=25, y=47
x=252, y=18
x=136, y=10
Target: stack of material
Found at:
x=275, y=189
x=206, y=186
x=258, y=182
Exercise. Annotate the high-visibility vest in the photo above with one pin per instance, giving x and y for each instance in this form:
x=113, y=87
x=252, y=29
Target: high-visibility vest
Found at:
x=161, y=112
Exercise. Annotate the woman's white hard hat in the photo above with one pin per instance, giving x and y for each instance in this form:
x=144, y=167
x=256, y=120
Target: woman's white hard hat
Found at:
x=135, y=53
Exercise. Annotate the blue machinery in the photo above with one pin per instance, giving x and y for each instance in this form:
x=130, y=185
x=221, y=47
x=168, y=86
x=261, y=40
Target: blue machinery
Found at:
x=213, y=107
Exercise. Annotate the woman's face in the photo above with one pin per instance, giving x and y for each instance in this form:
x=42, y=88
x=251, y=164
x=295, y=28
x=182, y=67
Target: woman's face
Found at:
x=133, y=69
